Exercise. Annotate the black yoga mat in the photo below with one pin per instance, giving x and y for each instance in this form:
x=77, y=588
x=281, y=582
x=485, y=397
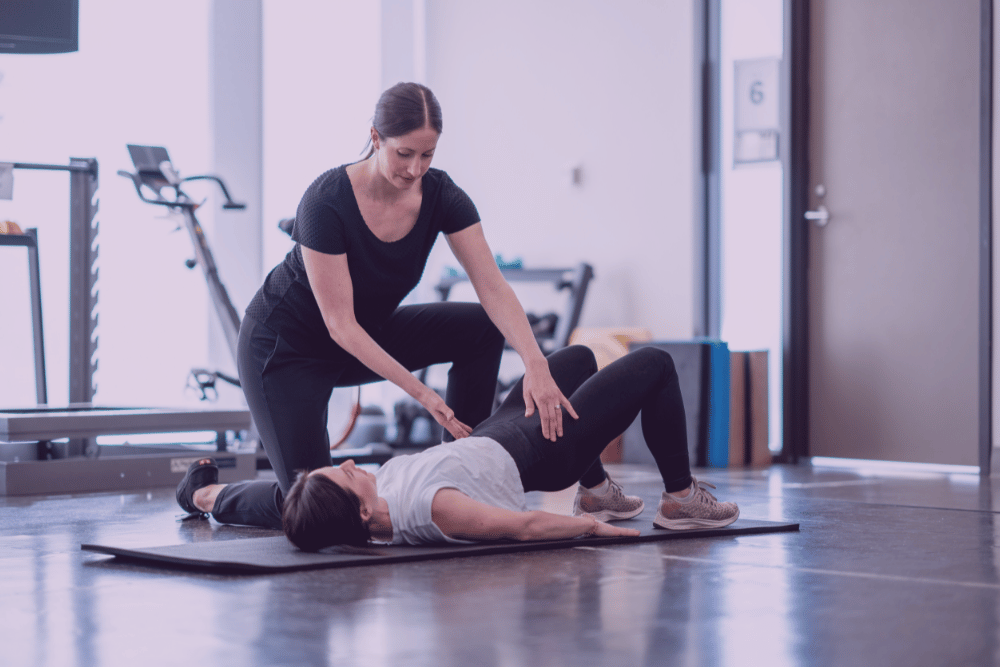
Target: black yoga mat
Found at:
x=261, y=555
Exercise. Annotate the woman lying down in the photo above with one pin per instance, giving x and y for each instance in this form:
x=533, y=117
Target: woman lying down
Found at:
x=473, y=489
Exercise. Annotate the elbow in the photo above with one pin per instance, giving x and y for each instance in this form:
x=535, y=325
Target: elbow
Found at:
x=531, y=528
x=339, y=331
x=335, y=332
x=499, y=292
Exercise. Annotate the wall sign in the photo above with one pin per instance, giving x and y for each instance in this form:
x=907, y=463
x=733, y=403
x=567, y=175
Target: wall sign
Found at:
x=757, y=113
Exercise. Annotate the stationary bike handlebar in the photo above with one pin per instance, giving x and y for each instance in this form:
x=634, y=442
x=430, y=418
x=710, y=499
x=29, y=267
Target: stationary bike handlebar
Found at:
x=156, y=183
x=230, y=204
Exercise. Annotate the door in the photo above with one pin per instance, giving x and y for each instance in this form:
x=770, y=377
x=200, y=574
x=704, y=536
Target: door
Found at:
x=893, y=275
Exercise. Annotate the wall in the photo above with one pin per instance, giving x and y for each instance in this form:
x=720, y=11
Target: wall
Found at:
x=321, y=82
x=594, y=85
x=138, y=77
x=531, y=90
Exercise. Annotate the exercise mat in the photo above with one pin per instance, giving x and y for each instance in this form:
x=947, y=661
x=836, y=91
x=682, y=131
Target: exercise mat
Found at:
x=261, y=555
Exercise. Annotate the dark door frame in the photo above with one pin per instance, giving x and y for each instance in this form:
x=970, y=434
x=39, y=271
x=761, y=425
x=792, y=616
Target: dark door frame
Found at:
x=795, y=300
x=796, y=252
x=986, y=237
x=708, y=255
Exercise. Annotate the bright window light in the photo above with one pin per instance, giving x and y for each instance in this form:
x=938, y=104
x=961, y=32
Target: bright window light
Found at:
x=892, y=466
x=191, y=437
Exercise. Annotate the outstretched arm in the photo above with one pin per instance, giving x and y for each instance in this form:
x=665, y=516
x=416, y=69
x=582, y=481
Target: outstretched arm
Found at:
x=501, y=304
x=460, y=517
x=330, y=280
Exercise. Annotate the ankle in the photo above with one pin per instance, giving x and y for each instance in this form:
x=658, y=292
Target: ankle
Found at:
x=204, y=498
x=600, y=488
x=683, y=493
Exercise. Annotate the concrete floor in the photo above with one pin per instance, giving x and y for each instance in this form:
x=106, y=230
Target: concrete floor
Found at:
x=888, y=569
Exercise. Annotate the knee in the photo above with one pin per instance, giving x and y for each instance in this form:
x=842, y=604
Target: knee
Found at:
x=582, y=357
x=483, y=322
x=653, y=357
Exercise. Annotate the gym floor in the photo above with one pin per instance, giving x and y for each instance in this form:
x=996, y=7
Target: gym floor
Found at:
x=888, y=569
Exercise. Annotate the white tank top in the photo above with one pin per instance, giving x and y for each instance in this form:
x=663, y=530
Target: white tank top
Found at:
x=478, y=467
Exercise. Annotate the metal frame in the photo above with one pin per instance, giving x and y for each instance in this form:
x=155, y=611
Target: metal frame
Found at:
x=83, y=280
x=40, y=465
x=38, y=333
x=708, y=254
x=152, y=177
x=795, y=306
x=74, y=421
x=986, y=238
x=29, y=240
x=82, y=275
x=229, y=319
x=125, y=469
x=576, y=280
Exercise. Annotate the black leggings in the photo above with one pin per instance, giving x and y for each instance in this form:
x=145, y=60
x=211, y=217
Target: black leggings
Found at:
x=607, y=401
x=288, y=392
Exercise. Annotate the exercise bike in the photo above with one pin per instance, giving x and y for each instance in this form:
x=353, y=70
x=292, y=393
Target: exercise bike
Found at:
x=156, y=175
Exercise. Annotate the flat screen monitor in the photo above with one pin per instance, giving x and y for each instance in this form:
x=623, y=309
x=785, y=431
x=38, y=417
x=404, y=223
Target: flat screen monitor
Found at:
x=39, y=26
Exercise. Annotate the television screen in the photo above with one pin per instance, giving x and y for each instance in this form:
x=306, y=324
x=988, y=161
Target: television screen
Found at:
x=39, y=26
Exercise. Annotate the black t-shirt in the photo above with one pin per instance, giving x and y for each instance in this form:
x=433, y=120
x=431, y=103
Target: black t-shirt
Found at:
x=328, y=220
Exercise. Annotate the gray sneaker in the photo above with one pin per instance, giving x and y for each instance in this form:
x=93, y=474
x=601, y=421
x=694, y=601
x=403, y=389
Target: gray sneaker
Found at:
x=700, y=510
x=610, y=506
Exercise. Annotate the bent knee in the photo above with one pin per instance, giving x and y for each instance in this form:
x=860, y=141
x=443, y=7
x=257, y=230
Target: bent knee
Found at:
x=656, y=358
x=478, y=323
x=582, y=356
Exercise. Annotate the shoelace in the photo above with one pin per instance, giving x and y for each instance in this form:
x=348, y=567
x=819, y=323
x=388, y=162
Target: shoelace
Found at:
x=701, y=491
x=614, y=491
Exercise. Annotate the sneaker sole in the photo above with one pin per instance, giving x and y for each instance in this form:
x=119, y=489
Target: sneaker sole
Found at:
x=691, y=524
x=609, y=515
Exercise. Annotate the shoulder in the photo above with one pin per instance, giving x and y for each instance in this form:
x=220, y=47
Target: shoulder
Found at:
x=331, y=182
x=441, y=184
x=439, y=180
x=324, y=211
x=450, y=201
x=436, y=175
x=331, y=190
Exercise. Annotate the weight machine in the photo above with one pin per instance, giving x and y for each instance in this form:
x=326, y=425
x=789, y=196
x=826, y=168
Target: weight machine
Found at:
x=54, y=449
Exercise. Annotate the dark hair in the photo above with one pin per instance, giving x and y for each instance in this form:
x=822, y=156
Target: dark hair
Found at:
x=318, y=513
x=403, y=108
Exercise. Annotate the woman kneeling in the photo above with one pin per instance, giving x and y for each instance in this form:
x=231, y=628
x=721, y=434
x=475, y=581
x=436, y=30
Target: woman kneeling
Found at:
x=473, y=489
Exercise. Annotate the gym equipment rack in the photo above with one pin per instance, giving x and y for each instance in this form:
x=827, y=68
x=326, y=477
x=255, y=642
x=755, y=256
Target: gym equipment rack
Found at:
x=32, y=460
x=574, y=279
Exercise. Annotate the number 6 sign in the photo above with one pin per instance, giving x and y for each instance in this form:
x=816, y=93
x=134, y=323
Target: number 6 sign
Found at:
x=756, y=119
